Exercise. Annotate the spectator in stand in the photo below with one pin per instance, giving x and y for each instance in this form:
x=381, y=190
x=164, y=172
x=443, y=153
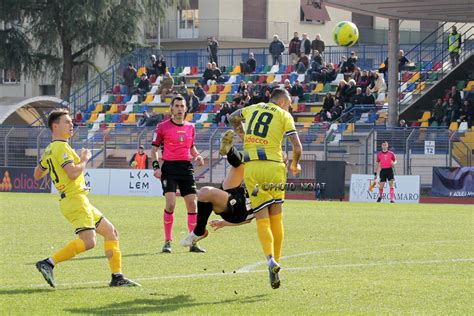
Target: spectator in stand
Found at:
x=78, y=117
x=451, y=111
x=251, y=87
x=341, y=91
x=255, y=98
x=337, y=110
x=318, y=44
x=294, y=48
x=470, y=96
x=212, y=49
x=208, y=75
x=455, y=95
x=438, y=113
x=402, y=124
x=328, y=102
x=466, y=113
x=129, y=76
x=221, y=117
x=356, y=74
x=250, y=65
x=217, y=73
x=266, y=96
x=305, y=45
x=351, y=62
x=351, y=90
x=287, y=85
x=161, y=66
x=237, y=99
x=139, y=159
x=369, y=97
x=152, y=70
x=359, y=97
x=276, y=49
x=402, y=62
x=363, y=81
x=245, y=99
x=275, y=85
x=303, y=64
x=379, y=86
x=144, y=85
x=343, y=65
x=454, y=45
x=317, y=57
x=193, y=102
x=183, y=90
x=142, y=122
x=370, y=79
x=199, y=91
x=166, y=85
x=297, y=92
x=242, y=87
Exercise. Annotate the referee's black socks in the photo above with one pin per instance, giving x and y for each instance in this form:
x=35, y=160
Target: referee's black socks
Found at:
x=203, y=214
x=234, y=157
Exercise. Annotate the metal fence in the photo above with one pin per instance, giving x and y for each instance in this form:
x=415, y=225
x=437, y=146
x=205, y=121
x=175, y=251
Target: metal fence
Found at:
x=417, y=150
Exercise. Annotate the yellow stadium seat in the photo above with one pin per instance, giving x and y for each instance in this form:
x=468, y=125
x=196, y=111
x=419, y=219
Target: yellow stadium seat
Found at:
x=131, y=118
x=415, y=77
x=426, y=116
x=113, y=109
x=161, y=109
x=425, y=124
x=141, y=71
x=294, y=107
x=307, y=124
x=93, y=118
x=453, y=126
x=236, y=70
x=99, y=107
x=469, y=85
x=167, y=100
x=270, y=78
x=189, y=116
x=226, y=89
x=111, y=125
x=319, y=87
x=148, y=99
x=212, y=88
x=303, y=119
x=207, y=124
x=221, y=99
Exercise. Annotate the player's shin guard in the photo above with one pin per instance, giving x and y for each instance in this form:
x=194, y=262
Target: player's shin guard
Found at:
x=191, y=221
x=204, y=212
x=265, y=236
x=278, y=232
x=168, y=219
x=113, y=254
x=69, y=251
x=392, y=194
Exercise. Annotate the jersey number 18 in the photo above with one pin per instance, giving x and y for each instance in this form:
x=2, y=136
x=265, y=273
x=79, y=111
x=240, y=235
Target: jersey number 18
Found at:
x=260, y=128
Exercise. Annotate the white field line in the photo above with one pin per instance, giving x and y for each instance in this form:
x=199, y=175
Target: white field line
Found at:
x=220, y=274
x=252, y=266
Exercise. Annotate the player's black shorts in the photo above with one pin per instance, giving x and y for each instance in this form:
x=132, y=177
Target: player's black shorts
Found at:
x=178, y=174
x=386, y=174
x=238, y=205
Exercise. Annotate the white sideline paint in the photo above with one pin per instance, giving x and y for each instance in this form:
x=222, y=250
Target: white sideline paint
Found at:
x=227, y=274
x=250, y=267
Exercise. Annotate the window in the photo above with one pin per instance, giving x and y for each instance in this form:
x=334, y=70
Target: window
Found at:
x=9, y=76
x=313, y=11
x=47, y=89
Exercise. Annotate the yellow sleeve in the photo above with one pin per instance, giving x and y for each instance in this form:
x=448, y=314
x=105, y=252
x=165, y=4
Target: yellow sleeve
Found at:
x=288, y=124
x=64, y=155
x=42, y=163
x=244, y=112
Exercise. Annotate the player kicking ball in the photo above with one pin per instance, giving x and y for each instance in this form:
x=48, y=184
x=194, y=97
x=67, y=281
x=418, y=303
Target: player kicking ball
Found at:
x=386, y=161
x=231, y=201
x=66, y=169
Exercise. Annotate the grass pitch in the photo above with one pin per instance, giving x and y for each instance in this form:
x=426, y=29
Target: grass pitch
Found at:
x=338, y=258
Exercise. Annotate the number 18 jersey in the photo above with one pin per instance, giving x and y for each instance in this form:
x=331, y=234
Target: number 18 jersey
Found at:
x=265, y=126
x=56, y=156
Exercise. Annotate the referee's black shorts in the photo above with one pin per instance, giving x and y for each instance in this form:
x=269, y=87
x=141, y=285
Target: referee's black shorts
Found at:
x=178, y=175
x=386, y=175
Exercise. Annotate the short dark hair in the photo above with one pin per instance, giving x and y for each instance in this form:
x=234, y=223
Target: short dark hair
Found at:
x=277, y=94
x=179, y=97
x=55, y=116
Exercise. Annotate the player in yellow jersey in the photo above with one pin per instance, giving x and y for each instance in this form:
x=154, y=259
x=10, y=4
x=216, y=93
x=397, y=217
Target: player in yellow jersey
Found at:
x=265, y=171
x=66, y=169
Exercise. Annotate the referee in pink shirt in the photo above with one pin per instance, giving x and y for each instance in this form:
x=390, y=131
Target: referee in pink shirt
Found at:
x=176, y=139
x=386, y=161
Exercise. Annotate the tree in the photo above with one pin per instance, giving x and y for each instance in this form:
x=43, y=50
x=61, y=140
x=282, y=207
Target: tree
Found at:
x=67, y=33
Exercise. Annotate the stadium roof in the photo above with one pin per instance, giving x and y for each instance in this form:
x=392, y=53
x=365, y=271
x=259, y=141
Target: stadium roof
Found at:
x=26, y=110
x=438, y=10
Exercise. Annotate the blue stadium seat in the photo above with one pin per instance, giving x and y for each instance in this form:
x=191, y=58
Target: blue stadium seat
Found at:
x=126, y=99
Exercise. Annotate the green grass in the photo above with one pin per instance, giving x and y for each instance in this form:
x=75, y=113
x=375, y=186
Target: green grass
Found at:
x=341, y=258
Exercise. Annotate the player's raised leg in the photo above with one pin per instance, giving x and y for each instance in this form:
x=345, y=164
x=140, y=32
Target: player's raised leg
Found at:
x=113, y=253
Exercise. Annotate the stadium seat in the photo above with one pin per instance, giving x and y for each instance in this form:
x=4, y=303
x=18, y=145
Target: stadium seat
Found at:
x=149, y=98
x=123, y=89
x=153, y=90
x=141, y=70
x=274, y=69
x=460, y=85
x=235, y=71
x=133, y=99
x=99, y=107
x=118, y=99
x=156, y=100
x=116, y=89
x=113, y=109
x=453, y=126
x=469, y=86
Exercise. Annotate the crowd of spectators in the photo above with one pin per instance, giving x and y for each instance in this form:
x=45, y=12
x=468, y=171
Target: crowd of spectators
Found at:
x=453, y=108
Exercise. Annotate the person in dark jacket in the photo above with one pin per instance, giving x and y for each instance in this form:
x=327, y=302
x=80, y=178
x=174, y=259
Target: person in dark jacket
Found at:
x=144, y=85
x=276, y=49
x=305, y=45
x=297, y=91
x=294, y=48
x=199, y=91
x=250, y=65
x=212, y=48
x=318, y=44
x=208, y=74
x=129, y=76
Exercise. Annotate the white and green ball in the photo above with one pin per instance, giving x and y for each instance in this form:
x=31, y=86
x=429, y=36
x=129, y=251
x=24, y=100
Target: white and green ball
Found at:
x=345, y=33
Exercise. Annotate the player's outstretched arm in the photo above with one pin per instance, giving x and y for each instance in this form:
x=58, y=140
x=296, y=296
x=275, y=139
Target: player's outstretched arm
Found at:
x=236, y=120
x=297, y=151
x=72, y=170
x=218, y=224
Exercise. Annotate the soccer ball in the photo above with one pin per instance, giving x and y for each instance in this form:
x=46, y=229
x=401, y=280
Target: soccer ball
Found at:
x=345, y=33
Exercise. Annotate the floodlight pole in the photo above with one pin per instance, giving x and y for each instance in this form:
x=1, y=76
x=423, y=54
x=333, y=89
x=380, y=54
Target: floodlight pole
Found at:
x=393, y=48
